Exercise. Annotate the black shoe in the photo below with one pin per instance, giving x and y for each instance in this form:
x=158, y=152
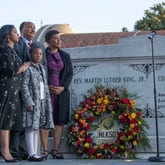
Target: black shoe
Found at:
x=35, y=159
x=45, y=154
x=13, y=160
x=19, y=156
x=24, y=157
x=57, y=155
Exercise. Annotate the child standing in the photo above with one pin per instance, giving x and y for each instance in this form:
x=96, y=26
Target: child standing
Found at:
x=37, y=113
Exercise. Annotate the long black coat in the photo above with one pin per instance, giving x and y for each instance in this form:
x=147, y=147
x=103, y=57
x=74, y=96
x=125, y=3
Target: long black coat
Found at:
x=10, y=82
x=65, y=80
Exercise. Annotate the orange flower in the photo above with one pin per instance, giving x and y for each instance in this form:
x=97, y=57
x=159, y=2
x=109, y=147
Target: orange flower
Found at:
x=106, y=101
x=132, y=125
x=132, y=103
x=75, y=129
x=82, y=133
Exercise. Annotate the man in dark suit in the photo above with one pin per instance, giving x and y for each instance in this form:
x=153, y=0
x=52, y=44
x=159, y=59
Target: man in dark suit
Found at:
x=27, y=33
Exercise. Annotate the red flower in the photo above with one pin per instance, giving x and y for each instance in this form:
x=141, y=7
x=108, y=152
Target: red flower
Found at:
x=125, y=100
x=123, y=120
x=89, y=139
x=91, y=118
x=106, y=145
x=114, y=150
x=120, y=135
x=136, y=128
x=91, y=150
x=115, y=104
x=133, y=121
x=130, y=122
x=79, y=143
x=79, y=115
x=129, y=133
x=88, y=101
x=139, y=114
x=87, y=127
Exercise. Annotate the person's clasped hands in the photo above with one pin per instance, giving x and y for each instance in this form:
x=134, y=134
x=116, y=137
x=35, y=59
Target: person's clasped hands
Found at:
x=56, y=90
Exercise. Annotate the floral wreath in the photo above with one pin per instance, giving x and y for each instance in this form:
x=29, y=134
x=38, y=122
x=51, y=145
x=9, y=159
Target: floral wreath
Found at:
x=85, y=118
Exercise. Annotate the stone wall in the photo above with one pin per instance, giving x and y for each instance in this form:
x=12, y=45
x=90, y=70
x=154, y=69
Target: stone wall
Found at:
x=126, y=64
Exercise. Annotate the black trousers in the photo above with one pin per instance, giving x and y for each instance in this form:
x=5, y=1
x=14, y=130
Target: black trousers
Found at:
x=18, y=147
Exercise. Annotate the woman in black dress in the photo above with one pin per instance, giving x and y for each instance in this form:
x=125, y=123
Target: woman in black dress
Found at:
x=11, y=68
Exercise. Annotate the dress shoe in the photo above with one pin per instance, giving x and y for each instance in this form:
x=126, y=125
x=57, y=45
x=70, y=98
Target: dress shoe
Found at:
x=35, y=159
x=13, y=160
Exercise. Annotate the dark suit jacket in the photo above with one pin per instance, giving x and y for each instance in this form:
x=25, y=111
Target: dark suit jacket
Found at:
x=23, y=52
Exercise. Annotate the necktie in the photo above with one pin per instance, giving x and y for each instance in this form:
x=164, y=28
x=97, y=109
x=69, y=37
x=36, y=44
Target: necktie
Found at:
x=29, y=44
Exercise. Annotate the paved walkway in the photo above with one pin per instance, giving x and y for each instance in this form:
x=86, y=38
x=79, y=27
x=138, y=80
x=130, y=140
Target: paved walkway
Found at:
x=74, y=161
x=87, y=162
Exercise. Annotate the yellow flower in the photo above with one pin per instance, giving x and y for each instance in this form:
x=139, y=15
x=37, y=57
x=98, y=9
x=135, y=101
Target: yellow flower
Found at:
x=105, y=101
x=106, y=97
x=86, y=145
x=79, y=151
x=134, y=133
x=97, y=113
x=94, y=106
x=76, y=116
x=99, y=100
x=139, y=122
x=95, y=147
x=99, y=154
x=113, y=112
x=129, y=137
x=121, y=146
x=135, y=143
x=133, y=115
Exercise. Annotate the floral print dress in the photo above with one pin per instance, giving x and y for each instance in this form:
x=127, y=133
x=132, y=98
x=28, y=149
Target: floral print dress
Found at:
x=10, y=82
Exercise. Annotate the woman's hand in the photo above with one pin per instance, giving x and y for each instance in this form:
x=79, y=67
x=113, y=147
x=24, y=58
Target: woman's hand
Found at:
x=59, y=89
x=23, y=67
x=56, y=90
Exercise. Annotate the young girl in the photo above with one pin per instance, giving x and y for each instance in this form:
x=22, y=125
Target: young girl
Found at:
x=37, y=112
